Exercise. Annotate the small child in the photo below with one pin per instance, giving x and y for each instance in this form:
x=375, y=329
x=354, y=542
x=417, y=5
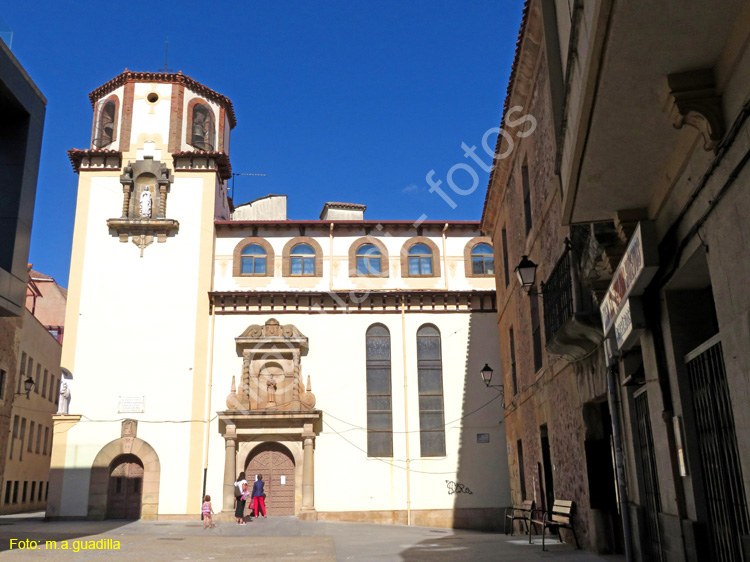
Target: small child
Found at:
x=207, y=512
x=245, y=492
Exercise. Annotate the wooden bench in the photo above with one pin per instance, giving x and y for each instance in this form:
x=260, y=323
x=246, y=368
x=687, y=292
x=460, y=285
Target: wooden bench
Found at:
x=559, y=517
x=518, y=513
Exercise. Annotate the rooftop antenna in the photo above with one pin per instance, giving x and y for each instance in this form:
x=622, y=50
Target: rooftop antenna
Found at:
x=166, y=57
x=241, y=174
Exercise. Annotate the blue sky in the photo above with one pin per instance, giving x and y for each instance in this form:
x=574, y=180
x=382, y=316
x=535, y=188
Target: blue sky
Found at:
x=336, y=101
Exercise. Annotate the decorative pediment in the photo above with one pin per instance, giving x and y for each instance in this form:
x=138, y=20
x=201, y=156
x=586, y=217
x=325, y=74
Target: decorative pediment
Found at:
x=271, y=377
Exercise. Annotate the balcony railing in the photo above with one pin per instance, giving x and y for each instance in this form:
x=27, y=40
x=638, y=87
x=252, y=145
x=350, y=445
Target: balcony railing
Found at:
x=570, y=316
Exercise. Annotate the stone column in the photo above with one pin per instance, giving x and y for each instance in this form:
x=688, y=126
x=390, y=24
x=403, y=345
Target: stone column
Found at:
x=162, y=200
x=125, y=200
x=230, y=467
x=308, y=476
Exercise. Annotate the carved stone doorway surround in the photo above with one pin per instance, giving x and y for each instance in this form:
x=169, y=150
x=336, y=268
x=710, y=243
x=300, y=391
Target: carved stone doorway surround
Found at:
x=244, y=431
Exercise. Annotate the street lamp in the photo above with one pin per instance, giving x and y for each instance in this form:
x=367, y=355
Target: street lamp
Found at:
x=526, y=272
x=28, y=384
x=486, y=374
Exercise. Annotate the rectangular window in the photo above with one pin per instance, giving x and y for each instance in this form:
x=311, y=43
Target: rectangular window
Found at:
x=521, y=474
x=31, y=434
x=514, y=377
x=430, y=385
x=47, y=444
x=21, y=372
x=38, y=377
x=8, y=489
x=39, y=439
x=29, y=369
x=506, y=270
x=44, y=383
x=3, y=377
x=23, y=436
x=32, y=496
x=52, y=389
x=13, y=436
x=536, y=331
x=15, y=491
x=46, y=491
x=57, y=389
x=40, y=490
x=379, y=408
x=25, y=489
x=526, y=198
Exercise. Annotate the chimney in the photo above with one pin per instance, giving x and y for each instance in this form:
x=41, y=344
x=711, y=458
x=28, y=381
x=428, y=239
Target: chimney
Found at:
x=343, y=212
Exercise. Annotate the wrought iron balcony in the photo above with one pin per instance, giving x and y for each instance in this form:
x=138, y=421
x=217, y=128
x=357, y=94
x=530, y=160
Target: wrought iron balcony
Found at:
x=571, y=320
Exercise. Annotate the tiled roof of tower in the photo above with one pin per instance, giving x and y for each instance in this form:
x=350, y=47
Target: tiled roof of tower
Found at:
x=169, y=78
x=346, y=205
x=508, y=92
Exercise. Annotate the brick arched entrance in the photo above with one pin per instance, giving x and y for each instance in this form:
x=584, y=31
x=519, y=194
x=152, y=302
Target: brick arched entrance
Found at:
x=104, y=464
x=276, y=463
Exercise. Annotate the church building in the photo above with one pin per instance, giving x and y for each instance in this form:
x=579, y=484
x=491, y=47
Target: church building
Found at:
x=338, y=356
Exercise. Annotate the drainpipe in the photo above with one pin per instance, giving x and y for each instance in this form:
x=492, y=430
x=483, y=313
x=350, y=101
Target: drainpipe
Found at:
x=406, y=414
x=445, y=258
x=330, y=259
x=209, y=388
x=622, y=491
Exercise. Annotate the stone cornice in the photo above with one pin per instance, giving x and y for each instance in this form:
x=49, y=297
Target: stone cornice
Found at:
x=94, y=159
x=349, y=302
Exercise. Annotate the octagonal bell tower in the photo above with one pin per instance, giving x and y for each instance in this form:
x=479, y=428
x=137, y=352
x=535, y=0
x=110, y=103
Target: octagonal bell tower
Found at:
x=151, y=184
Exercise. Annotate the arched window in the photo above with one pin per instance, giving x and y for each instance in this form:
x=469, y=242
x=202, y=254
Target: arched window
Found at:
x=420, y=260
x=105, y=127
x=302, y=260
x=482, y=260
x=368, y=260
x=203, y=127
x=430, y=385
x=379, y=412
x=253, y=260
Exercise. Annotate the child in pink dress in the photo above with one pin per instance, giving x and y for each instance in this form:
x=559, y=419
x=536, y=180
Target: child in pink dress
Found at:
x=207, y=512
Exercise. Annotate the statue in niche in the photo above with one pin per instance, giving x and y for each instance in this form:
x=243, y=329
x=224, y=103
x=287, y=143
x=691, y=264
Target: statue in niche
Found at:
x=145, y=203
x=271, y=389
x=64, y=398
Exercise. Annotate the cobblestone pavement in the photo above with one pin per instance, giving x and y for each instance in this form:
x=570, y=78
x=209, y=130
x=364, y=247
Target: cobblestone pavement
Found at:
x=275, y=538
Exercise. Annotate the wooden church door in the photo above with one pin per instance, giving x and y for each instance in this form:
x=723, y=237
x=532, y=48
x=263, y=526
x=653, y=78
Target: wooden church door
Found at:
x=276, y=465
x=125, y=488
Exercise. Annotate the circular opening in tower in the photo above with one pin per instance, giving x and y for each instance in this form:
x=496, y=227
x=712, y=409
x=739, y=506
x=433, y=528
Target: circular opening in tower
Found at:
x=153, y=97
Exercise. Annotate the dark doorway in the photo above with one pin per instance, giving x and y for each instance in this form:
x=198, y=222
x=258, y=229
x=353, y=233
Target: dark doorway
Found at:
x=125, y=488
x=549, y=483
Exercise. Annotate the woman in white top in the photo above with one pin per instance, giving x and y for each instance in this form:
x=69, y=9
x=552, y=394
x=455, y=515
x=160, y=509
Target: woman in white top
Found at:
x=239, y=510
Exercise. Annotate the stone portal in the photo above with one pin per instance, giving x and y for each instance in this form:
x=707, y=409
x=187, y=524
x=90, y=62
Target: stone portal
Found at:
x=271, y=410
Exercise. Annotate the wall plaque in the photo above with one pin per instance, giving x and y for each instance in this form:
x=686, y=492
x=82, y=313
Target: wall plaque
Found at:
x=131, y=404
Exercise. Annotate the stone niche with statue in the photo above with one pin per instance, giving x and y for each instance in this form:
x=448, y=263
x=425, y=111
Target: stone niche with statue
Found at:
x=271, y=376
x=145, y=186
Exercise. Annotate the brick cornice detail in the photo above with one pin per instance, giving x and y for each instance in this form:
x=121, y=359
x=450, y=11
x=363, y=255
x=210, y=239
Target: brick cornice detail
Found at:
x=129, y=77
x=347, y=302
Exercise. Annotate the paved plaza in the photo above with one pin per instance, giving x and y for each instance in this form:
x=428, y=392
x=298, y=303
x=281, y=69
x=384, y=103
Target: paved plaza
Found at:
x=275, y=538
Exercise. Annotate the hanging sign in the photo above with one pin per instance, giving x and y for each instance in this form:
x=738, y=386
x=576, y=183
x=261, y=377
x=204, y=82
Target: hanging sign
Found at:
x=630, y=323
x=636, y=269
